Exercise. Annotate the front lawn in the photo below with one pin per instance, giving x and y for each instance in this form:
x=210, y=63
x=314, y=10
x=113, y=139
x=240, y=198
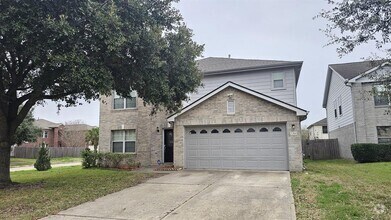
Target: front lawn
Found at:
x=342, y=189
x=18, y=162
x=43, y=193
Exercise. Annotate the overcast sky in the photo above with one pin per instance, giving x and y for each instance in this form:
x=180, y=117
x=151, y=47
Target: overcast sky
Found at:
x=256, y=29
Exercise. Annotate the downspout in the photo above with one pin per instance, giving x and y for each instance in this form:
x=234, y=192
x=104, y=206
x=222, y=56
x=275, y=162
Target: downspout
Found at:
x=349, y=84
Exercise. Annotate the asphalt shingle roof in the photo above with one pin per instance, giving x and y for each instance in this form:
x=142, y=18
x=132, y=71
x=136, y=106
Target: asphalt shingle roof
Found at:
x=322, y=122
x=219, y=64
x=351, y=70
x=45, y=124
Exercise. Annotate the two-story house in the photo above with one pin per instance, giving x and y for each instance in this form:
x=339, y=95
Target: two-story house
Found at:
x=318, y=130
x=354, y=113
x=244, y=117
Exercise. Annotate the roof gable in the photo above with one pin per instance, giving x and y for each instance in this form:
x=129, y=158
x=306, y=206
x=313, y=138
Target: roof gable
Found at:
x=349, y=71
x=299, y=111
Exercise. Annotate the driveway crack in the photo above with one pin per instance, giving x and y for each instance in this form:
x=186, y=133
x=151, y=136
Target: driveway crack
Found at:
x=191, y=197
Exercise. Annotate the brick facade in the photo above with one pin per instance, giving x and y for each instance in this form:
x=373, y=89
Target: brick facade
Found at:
x=366, y=115
x=148, y=139
x=249, y=110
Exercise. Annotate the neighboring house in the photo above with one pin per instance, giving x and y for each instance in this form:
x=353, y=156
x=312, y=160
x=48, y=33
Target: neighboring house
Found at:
x=318, y=130
x=74, y=135
x=59, y=135
x=50, y=134
x=244, y=117
x=354, y=115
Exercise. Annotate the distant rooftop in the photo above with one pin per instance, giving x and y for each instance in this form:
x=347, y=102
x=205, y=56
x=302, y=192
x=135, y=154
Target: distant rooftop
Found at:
x=322, y=122
x=79, y=127
x=45, y=124
x=219, y=64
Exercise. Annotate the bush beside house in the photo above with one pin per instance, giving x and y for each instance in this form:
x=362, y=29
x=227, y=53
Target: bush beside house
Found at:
x=109, y=160
x=367, y=152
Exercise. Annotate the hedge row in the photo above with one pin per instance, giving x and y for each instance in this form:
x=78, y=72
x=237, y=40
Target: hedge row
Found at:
x=371, y=152
x=108, y=160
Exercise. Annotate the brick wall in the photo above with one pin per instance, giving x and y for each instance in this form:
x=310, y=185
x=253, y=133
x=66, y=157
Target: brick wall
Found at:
x=249, y=109
x=148, y=140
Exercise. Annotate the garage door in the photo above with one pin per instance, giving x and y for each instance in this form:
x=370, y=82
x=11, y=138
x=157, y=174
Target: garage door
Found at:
x=260, y=147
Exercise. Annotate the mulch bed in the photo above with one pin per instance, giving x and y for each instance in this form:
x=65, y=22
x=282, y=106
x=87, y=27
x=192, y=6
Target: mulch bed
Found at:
x=167, y=168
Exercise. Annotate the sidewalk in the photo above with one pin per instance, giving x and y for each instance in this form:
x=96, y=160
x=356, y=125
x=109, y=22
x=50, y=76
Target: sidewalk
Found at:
x=53, y=166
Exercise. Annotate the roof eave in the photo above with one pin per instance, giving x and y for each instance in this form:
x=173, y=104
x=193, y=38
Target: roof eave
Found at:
x=263, y=67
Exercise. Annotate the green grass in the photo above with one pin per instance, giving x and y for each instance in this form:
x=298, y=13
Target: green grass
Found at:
x=342, y=189
x=18, y=162
x=39, y=194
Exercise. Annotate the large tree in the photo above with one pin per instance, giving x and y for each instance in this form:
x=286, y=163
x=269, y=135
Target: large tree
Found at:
x=80, y=49
x=353, y=23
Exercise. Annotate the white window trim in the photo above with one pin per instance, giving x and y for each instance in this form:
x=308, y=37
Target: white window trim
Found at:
x=233, y=112
x=45, y=134
x=283, y=81
x=125, y=106
x=124, y=141
x=340, y=105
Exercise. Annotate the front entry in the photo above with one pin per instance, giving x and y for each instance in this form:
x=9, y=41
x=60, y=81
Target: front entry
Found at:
x=168, y=146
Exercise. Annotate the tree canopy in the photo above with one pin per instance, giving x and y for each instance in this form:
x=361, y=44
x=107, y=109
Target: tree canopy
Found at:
x=353, y=23
x=81, y=49
x=27, y=131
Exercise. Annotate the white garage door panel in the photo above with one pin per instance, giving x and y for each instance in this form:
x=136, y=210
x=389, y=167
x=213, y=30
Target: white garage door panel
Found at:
x=262, y=149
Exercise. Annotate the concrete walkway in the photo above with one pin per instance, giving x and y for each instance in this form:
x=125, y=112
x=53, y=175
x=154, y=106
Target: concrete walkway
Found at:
x=22, y=168
x=196, y=195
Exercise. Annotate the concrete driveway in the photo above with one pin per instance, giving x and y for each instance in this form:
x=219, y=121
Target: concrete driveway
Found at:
x=196, y=195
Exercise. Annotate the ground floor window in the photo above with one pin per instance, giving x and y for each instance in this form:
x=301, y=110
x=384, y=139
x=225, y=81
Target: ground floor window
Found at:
x=383, y=134
x=124, y=141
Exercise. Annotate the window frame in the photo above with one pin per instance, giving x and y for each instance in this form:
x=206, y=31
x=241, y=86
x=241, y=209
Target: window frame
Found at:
x=383, y=137
x=233, y=107
x=275, y=77
x=45, y=134
x=384, y=97
x=125, y=106
x=324, y=128
x=124, y=141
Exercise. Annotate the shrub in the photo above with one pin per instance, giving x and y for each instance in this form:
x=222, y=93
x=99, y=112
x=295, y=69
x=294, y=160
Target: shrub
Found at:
x=115, y=160
x=90, y=158
x=43, y=161
x=371, y=152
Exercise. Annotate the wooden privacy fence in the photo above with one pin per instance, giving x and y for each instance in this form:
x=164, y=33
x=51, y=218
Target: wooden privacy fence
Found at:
x=32, y=152
x=321, y=149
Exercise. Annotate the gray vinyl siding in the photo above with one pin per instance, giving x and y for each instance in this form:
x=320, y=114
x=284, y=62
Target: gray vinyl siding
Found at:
x=338, y=88
x=260, y=81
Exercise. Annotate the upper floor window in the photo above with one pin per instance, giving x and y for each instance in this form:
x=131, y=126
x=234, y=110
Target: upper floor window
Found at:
x=278, y=80
x=324, y=129
x=335, y=109
x=124, y=141
x=123, y=103
x=383, y=134
x=381, y=99
x=340, y=105
x=231, y=107
x=45, y=134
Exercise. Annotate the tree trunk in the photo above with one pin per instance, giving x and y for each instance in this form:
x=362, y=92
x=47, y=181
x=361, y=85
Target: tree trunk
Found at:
x=5, y=151
x=5, y=157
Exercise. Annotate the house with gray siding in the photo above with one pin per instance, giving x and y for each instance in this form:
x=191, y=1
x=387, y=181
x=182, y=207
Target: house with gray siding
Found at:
x=354, y=113
x=245, y=116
